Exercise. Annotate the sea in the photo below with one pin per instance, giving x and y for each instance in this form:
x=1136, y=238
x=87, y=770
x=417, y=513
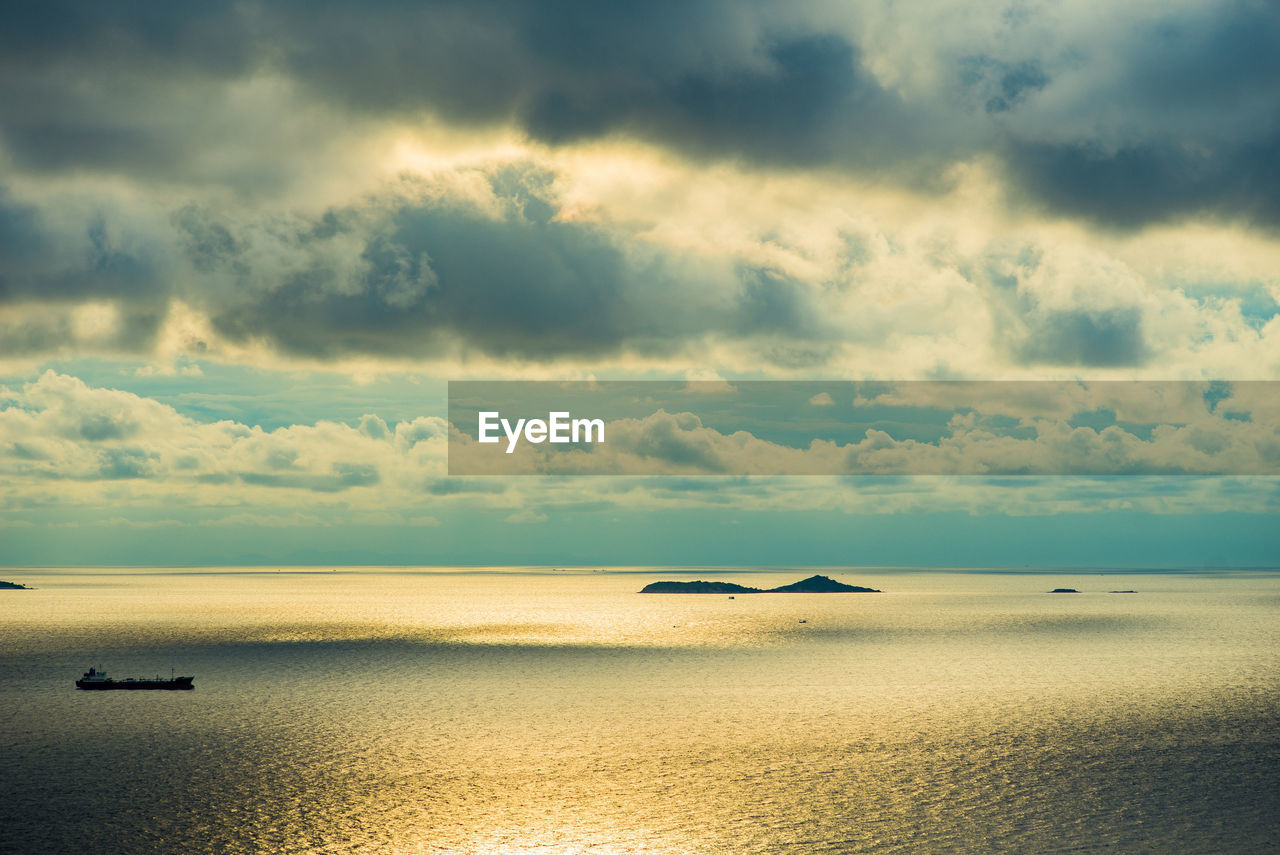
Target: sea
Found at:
x=540, y=710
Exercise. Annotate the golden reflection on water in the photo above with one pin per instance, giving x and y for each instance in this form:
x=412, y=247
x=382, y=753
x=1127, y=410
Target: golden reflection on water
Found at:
x=510, y=712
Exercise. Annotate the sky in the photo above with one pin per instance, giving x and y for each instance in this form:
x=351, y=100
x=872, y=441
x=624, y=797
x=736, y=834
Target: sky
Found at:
x=244, y=247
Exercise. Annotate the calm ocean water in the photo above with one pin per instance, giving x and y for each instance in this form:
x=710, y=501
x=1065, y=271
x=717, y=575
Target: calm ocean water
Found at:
x=378, y=711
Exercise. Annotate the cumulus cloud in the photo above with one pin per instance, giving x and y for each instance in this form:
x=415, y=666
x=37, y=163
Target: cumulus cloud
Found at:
x=990, y=429
x=96, y=456
x=57, y=428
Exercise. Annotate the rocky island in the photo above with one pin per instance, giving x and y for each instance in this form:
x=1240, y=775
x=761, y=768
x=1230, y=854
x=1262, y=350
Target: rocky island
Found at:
x=812, y=585
x=13, y=586
x=1064, y=591
x=699, y=587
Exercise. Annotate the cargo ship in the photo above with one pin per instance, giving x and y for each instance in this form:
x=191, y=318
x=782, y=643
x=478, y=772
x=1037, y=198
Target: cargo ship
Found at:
x=95, y=678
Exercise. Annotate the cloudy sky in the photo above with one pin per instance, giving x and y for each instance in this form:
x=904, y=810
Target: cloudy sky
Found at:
x=243, y=246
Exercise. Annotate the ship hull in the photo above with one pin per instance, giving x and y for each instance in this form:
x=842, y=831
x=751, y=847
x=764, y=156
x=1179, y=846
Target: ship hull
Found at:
x=180, y=683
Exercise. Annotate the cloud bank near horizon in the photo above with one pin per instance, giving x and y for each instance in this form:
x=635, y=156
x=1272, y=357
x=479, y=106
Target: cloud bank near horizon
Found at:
x=74, y=447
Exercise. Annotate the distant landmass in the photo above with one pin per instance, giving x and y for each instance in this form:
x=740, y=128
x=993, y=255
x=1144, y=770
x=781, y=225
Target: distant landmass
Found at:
x=812, y=585
x=13, y=586
x=698, y=587
x=821, y=585
x=1064, y=591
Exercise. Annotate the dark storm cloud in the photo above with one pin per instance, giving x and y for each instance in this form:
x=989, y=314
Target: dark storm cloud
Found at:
x=88, y=142
x=137, y=33
x=1201, y=97
x=64, y=265
x=806, y=105
x=433, y=275
x=1152, y=182
x=97, y=85
x=398, y=277
x=92, y=258
x=428, y=274
x=712, y=78
x=117, y=87
x=22, y=238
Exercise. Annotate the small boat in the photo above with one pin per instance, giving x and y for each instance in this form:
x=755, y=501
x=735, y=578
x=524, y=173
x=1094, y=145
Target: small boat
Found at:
x=95, y=678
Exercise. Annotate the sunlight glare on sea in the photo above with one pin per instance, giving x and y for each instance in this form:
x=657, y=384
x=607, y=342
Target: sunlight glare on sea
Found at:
x=521, y=711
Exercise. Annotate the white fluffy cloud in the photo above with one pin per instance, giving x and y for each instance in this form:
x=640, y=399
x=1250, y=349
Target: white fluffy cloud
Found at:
x=1178, y=435
x=93, y=443
x=71, y=447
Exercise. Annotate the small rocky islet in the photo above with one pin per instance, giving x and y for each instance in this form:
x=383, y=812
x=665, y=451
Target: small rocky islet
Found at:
x=812, y=585
x=13, y=586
